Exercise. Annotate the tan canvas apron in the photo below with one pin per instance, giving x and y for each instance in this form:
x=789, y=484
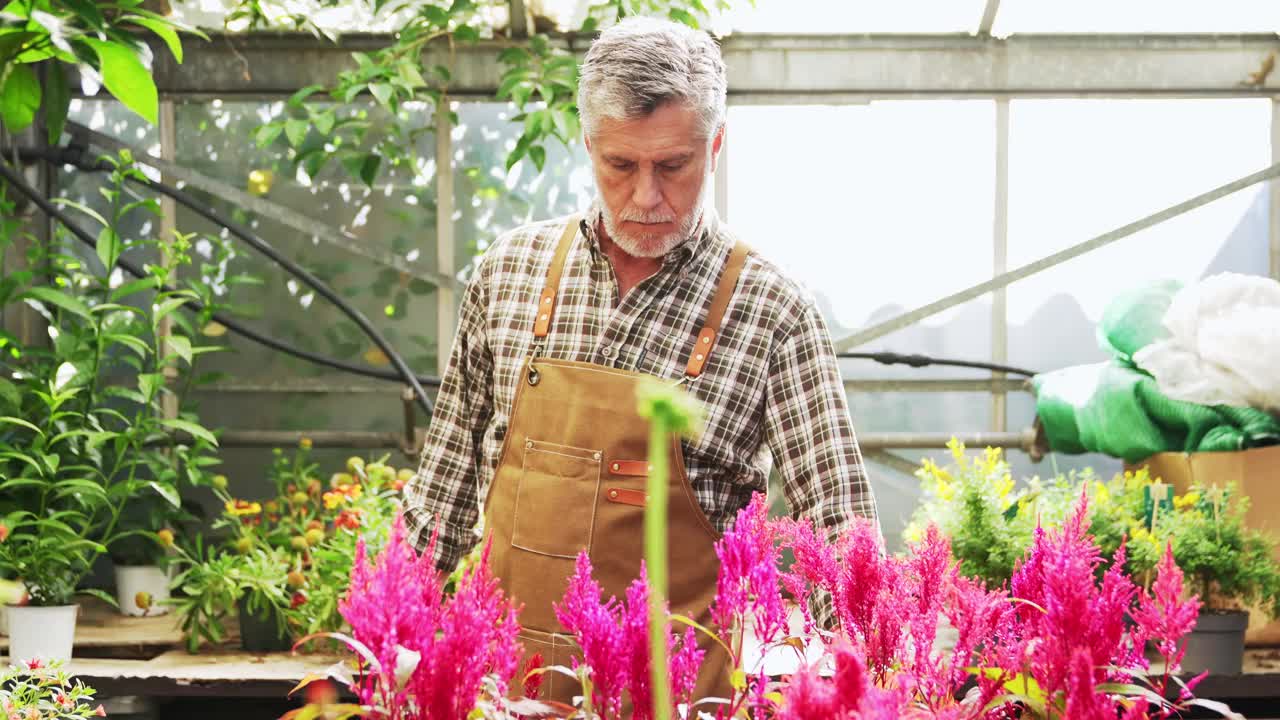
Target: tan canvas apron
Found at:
x=572, y=475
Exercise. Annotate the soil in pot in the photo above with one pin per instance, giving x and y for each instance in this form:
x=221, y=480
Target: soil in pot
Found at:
x=1217, y=643
x=259, y=632
x=47, y=633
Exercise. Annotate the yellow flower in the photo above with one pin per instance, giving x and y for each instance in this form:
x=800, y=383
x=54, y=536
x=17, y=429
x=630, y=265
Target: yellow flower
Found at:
x=305, y=443
x=333, y=499
x=957, y=448
x=243, y=507
x=1005, y=486
x=1182, y=502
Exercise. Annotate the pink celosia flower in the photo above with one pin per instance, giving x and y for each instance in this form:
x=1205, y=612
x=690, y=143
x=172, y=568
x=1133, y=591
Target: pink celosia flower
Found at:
x=1163, y=615
x=433, y=652
x=614, y=638
x=748, y=581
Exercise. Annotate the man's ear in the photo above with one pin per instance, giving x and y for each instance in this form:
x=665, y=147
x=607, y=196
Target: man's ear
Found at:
x=586, y=141
x=716, y=144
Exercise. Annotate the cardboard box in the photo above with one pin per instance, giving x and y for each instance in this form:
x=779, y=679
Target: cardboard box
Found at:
x=1257, y=474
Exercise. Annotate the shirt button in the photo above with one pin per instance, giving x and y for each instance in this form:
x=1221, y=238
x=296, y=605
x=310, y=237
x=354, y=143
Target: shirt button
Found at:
x=607, y=351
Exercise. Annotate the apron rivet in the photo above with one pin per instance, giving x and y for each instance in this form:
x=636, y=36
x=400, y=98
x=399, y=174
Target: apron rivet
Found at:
x=615, y=467
x=699, y=356
x=706, y=340
x=595, y=456
x=528, y=444
x=613, y=493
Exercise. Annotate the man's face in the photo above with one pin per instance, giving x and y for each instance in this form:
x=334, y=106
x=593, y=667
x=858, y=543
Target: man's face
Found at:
x=652, y=173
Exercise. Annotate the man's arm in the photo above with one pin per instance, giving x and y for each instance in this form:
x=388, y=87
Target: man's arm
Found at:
x=445, y=492
x=809, y=432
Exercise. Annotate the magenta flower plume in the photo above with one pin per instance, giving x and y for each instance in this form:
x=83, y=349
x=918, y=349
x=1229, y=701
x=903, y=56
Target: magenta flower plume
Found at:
x=848, y=695
x=614, y=638
x=433, y=652
x=815, y=564
x=1163, y=615
x=1072, y=613
x=599, y=633
x=1082, y=699
x=748, y=583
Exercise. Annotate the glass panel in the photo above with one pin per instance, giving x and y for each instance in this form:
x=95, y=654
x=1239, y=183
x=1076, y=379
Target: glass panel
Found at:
x=877, y=208
x=854, y=16
x=1137, y=16
x=489, y=200
x=1079, y=168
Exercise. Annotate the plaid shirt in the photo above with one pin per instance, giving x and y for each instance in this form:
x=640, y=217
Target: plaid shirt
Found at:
x=772, y=387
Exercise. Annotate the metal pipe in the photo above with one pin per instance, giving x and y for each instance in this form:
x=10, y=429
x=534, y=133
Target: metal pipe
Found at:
x=1025, y=440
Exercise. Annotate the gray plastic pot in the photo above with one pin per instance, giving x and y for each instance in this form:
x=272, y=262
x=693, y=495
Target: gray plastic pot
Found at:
x=1217, y=643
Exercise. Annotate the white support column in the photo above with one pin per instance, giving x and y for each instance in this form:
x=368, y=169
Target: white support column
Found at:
x=1000, y=265
x=168, y=227
x=1273, y=225
x=446, y=298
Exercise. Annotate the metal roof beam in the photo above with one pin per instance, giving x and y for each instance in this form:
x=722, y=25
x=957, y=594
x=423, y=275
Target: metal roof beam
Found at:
x=800, y=68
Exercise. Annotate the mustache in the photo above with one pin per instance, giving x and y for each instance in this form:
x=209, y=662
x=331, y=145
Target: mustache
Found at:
x=646, y=216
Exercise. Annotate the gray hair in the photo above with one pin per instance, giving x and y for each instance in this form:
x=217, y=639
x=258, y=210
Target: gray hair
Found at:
x=641, y=63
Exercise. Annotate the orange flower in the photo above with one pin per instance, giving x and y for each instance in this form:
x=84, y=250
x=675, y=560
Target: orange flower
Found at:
x=348, y=520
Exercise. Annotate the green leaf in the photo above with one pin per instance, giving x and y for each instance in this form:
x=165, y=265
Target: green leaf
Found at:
x=191, y=429
x=10, y=397
x=181, y=346
x=19, y=98
x=268, y=133
x=51, y=296
x=57, y=99
x=363, y=165
x=514, y=56
x=168, y=492
x=109, y=247
x=108, y=599
x=163, y=29
x=167, y=306
x=19, y=421
x=324, y=121
x=683, y=16
x=150, y=383
x=467, y=34
x=434, y=14
x=133, y=286
x=127, y=78
x=297, y=98
x=83, y=486
x=381, y=92
x=296, y=130
x=539, y=156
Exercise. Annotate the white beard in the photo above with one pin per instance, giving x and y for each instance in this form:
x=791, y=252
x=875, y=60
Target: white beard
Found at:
x=652, y=245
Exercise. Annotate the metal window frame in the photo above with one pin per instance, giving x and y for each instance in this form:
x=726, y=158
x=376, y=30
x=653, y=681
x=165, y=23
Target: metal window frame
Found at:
x=818, y=70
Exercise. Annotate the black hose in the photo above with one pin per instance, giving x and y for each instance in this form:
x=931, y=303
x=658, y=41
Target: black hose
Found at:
x=918, y=361
x=52, y=211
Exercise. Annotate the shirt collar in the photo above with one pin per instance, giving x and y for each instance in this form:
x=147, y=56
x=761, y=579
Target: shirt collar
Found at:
x=707, y=228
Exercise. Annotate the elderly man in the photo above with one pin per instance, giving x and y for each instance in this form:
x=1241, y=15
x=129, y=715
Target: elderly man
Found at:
x=562, y=318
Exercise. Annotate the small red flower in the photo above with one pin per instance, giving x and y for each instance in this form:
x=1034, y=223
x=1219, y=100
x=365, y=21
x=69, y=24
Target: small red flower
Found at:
x=533, y=680
x=299, y=598
x=35, y=664
x=348, y=520
x=100, y=711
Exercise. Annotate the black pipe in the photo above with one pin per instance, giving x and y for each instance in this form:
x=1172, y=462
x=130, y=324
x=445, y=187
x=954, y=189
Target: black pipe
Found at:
x=52, y=211
x=919, y=361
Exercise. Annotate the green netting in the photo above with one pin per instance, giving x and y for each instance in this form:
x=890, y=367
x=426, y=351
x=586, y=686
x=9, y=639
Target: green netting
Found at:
x=1116, y=409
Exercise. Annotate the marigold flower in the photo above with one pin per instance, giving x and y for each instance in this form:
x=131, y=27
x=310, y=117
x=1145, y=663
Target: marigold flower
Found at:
x=314, y=536
x=4, y=532
x=348, y=520
x=333, y=499
x=305, y=443
x=165, y=536
x=295, y=580
x=243, y=507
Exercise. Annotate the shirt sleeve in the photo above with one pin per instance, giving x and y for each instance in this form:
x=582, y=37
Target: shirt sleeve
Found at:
x=443, y=496
x=811, y=437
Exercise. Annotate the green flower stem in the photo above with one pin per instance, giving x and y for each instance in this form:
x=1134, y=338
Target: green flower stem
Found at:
x=655, y=554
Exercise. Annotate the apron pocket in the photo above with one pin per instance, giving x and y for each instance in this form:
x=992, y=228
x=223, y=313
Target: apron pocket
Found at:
x=555, y=509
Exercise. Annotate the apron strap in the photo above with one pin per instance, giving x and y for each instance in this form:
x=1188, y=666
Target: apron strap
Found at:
x=719, y=303
x=547, y=302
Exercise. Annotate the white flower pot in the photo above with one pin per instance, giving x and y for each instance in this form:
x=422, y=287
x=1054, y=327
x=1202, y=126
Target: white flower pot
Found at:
x=133, y=579
x=47, y=633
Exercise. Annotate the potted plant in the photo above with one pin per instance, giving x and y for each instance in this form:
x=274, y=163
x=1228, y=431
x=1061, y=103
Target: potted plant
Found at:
x=282, y=564
x=43, y=689
x=83, y=440
x=1229, y=566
